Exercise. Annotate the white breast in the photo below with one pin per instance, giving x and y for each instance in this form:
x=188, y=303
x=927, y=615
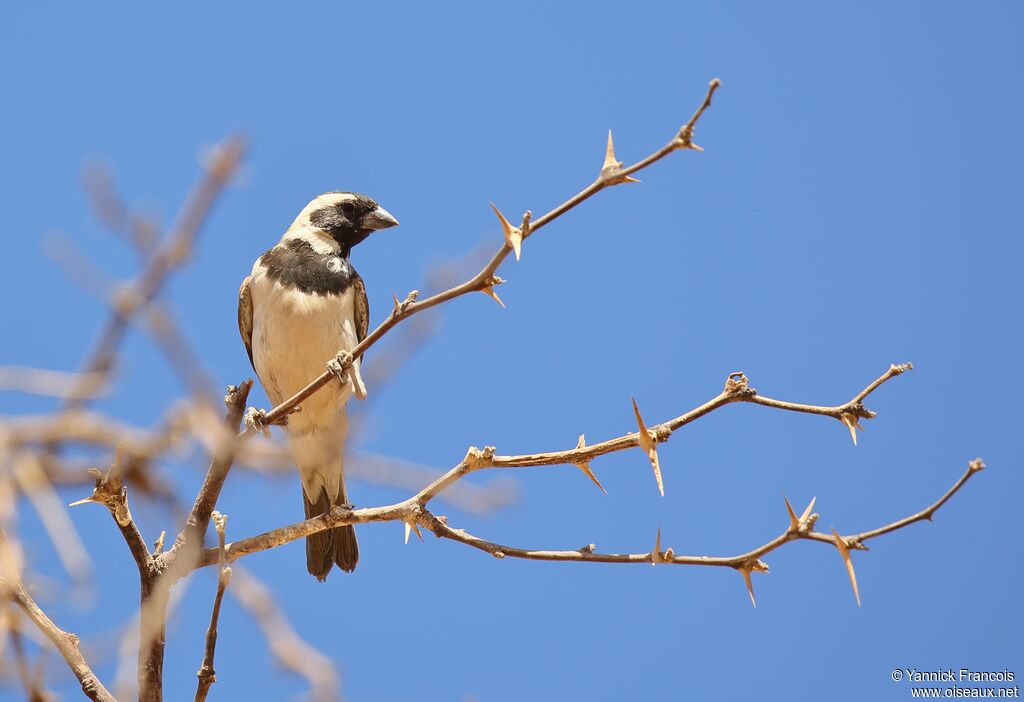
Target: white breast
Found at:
x=294, y=335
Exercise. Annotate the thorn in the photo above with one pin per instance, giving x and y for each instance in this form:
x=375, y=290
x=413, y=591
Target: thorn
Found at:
x=610, y=162
x=844, y=551
x=412, y=527
x=513, y=235
x=794, y=523
x=489, y=292
x=656, y=557
x=612, y=165
x=489, y=289
x=807, y=512
x=650, y=446
x=750, y=585
x=82, y=501
x=852, y=421
x=397, y=303
x=415, y=528
x=585, y=465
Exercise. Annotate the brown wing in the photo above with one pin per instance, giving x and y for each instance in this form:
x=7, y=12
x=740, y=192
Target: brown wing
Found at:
x=245, y=317
x=362, y=309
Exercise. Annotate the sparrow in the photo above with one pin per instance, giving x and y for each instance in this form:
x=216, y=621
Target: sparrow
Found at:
x=302, y=308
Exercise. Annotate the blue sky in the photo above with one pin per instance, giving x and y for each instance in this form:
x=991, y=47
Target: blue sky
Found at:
x=858, y=203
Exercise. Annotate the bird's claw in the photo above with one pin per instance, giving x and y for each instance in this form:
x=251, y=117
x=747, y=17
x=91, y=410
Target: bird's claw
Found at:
x=256, y=421
x=340, y=364
x=341, y=367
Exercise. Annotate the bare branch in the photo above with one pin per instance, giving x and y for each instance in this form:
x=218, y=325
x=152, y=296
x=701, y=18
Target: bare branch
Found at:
x=110, y=492
x=34, y=691
x=38, y=381
x=737, y=389
x=199, y=518
x=167, y=258
x=65, y=643
x=439, y=526
x=207, y=675
x=36, y=486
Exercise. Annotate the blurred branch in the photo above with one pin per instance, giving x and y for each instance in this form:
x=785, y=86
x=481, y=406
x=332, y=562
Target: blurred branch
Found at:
x=287, y=646
x=65, y=643
x=165, y=259
x=32, y=683
x=109, y=207
x=36, y=486
x=38, y=381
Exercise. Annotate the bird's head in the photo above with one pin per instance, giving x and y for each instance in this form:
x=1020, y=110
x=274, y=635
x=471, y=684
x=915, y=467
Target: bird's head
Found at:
x=348, y=218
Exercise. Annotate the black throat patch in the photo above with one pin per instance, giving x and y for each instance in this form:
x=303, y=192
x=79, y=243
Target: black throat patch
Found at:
x=296, y=265
x=342, y=221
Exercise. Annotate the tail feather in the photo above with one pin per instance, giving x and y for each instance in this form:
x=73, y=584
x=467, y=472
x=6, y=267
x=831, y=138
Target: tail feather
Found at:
x=325, y=548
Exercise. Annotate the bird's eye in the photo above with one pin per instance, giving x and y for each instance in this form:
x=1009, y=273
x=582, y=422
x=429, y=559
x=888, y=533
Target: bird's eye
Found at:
x=348, y=208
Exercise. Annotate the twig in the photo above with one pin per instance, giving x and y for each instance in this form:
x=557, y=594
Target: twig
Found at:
x=486, y=279
x=39, y=381
x=588, y=555
x=199, y=518
x=744, y=563
x=111, y=211
x=167, y=257
x=207, y=675
x=65, y=643
x=36, y=486
x=33, y=688
x=737, y=389
x=110, y=492
x=173, y=564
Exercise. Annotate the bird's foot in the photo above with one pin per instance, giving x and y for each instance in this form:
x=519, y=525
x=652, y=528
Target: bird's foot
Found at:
x=342, y=367
x=256, y=421
x=340, y=364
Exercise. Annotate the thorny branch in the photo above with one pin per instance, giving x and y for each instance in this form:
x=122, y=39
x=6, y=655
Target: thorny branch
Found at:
x=413, y=511
x=160, y=569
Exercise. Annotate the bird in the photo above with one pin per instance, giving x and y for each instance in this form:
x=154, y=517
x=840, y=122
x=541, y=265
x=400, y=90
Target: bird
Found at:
x=304, y=308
